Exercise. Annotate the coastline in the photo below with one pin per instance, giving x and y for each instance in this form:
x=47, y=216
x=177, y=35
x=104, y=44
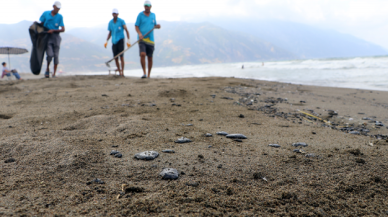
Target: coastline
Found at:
x=134, y=73
x=61, y=132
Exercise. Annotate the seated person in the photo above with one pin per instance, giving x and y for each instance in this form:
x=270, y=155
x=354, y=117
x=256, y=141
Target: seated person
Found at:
x=8, y=72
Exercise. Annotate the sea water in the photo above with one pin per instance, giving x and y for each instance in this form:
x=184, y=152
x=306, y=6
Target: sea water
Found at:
x=362, y=73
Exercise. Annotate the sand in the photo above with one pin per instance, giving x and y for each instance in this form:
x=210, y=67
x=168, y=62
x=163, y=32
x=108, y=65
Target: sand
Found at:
x=57, y=135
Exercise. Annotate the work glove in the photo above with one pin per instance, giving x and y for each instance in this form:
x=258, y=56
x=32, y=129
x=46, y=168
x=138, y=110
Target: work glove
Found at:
x=128, y=44
x=106, y=44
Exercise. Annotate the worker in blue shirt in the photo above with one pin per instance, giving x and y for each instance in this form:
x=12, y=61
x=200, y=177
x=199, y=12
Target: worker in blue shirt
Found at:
x=116, y=29
x=145, y=22
x=54, y=22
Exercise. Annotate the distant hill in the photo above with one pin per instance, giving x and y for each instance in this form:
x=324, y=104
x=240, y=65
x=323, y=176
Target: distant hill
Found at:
x=303, y=40
x=180, y=43
x=188, y=43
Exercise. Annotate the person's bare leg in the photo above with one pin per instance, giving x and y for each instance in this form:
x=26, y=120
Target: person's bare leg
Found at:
x=142, y=62
x=55, y=58
x=149, y=66
x=118, y=65
x=49, y=56
x=48, y=67
x=55, y=68
x=122, y=66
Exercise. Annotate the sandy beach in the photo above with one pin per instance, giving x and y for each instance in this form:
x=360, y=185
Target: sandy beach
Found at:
x=57, y=136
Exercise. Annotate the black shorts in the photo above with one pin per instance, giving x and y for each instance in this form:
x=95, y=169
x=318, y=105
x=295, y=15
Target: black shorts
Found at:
x=146, y=48
x=118, y=48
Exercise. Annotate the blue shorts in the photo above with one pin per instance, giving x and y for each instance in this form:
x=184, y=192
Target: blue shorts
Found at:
x=118, y=48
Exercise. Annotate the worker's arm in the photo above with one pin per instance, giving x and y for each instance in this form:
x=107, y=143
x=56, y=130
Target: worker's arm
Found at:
x=107, y=39
x=139, y=33
x=126, y=30
x=62, y=29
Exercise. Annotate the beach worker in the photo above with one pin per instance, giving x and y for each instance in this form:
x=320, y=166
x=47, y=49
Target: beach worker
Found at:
x=116, y=29
x=7, y=72
x=54, y=22
x=145, y=22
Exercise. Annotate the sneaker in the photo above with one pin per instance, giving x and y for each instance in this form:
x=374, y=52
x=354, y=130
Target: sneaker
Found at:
x=47, y=74
x=144, y=76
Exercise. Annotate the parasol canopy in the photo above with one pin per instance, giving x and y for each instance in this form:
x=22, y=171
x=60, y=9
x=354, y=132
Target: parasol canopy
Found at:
x=12, y=50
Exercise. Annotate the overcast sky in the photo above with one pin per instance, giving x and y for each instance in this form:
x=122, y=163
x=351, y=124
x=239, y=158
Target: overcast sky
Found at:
x=366, y=19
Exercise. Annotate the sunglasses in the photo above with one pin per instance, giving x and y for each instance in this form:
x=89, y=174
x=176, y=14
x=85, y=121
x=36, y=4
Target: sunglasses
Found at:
x=147, y=5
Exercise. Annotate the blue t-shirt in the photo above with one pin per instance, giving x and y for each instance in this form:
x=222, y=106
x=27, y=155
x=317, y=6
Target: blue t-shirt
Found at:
x=145, y=24
x=51, y=22
x=116, y=30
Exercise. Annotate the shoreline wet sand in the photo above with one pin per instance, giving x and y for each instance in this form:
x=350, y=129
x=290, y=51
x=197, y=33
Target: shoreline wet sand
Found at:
x=57, y=136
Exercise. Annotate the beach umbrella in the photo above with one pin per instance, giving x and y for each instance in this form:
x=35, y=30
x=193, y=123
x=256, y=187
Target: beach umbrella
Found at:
x=12, y=50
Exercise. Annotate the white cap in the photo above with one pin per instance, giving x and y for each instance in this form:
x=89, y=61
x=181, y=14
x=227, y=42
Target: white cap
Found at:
x=58, y=4
x=115, y=11
x=147, y=2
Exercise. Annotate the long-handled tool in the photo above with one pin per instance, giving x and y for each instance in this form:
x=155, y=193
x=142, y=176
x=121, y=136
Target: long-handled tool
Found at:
x=107, y=63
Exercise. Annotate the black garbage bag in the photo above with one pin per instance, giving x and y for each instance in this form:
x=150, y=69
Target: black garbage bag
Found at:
x=39, y=38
